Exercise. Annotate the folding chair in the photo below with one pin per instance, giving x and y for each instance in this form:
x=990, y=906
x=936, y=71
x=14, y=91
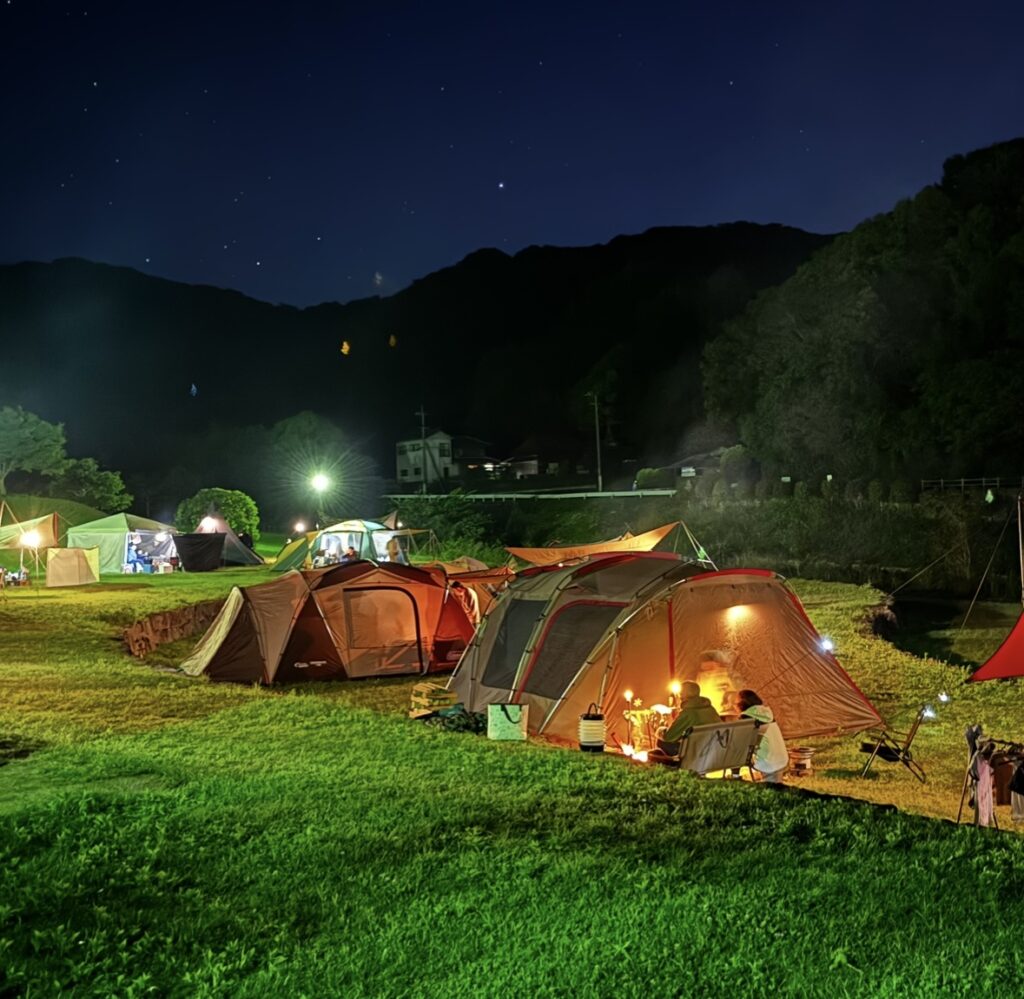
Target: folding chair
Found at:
x=894, y=747
x=718, y=746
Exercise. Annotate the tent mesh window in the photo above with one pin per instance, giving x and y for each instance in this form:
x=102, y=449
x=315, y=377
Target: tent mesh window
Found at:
x=572, y=635
x=513, y=634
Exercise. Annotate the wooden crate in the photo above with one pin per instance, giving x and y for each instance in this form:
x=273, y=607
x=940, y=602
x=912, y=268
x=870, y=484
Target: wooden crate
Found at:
x=430, y=697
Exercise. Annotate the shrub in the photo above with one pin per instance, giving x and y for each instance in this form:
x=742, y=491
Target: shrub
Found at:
x=762, y=489
x=876, y=491
x=720, y=491
x=705, y=485
x=655, y=478
x=238, y=509
x=901, y=491
x=854, y=490
x=743, y=490
x=801, y=491
x=829, y=489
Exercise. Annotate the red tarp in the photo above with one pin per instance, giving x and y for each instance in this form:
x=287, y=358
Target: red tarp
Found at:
x=1008, y=659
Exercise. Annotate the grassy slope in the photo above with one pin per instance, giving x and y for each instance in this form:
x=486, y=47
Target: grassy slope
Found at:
x=197, y=839
x=72, y=513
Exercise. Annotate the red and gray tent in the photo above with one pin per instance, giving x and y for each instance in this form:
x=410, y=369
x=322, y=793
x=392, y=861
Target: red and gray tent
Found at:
x=567, y=637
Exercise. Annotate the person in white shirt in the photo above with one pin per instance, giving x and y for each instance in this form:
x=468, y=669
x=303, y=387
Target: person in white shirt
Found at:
x=771, y=758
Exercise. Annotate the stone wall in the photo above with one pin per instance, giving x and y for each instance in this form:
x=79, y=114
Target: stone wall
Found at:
x=168, y=626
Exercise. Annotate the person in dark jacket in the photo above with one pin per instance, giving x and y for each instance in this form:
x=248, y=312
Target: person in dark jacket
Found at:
x=693, y=710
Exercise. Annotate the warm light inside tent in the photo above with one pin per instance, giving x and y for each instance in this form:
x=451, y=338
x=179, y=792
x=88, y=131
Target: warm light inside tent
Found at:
x=161, y=537
x=675, y=688
x=737, y=613
x=30, y=539
x=661, y=709
x=208, y=525
x=628, y=694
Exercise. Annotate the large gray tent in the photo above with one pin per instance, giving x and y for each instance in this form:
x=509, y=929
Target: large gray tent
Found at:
x=561, y=638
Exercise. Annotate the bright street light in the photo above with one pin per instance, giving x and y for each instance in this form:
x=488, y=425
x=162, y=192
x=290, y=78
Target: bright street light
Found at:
x=320, y=482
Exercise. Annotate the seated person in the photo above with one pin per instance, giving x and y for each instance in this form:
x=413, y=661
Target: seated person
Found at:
x=693, y=710
x=134, y=558
x=771, y=757
x=322, y=558
x=350, y=555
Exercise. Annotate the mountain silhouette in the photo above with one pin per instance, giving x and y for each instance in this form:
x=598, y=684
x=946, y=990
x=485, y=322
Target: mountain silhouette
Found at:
x=498, y=346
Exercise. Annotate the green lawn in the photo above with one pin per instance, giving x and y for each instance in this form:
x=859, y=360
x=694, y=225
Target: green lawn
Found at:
x=176, y=837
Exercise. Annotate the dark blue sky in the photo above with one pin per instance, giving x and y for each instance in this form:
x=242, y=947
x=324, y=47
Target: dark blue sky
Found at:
x=308, y=152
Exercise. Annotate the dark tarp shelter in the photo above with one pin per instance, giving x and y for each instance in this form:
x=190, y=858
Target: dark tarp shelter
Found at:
x=233, y=550
x=200, y=552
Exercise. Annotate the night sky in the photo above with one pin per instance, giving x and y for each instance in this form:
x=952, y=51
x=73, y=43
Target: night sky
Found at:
x=302, y=153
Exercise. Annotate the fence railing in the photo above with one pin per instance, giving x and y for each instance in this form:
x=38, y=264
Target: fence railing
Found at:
x=999, y=482
x=505, y=497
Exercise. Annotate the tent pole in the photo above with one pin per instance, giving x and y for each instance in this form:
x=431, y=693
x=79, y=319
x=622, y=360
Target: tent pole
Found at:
x=1020, y=543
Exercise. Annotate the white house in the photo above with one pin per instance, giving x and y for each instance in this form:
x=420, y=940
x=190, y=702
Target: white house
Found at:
x=436, y=457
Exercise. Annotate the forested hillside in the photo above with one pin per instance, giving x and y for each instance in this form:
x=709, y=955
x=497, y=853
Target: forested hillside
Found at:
x=898, y=350
x=500, y=347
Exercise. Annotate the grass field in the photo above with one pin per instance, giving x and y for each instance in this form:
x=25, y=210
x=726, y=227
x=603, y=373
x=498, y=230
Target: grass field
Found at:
x=175, y=837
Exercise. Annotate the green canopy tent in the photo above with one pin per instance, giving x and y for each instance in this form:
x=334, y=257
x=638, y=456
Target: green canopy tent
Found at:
x=368, y=537
x=112, y=534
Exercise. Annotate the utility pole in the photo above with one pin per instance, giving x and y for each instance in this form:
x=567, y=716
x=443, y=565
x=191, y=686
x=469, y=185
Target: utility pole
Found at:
x=597, y=442
x=423, y=448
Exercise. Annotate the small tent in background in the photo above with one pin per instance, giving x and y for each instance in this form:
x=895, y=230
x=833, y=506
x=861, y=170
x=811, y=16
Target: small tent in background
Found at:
x=72, y=566
x=560, y=639
x=40, y=532
x=112, y=535
x=645, y=542
x=368, y=537
x=351, y=620
x=233, y=550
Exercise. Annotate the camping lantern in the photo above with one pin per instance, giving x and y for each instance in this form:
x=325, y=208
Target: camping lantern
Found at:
x=592, y=730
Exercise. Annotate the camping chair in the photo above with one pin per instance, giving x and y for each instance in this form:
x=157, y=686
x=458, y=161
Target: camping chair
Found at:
x=894, y=747
x=719, y=746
